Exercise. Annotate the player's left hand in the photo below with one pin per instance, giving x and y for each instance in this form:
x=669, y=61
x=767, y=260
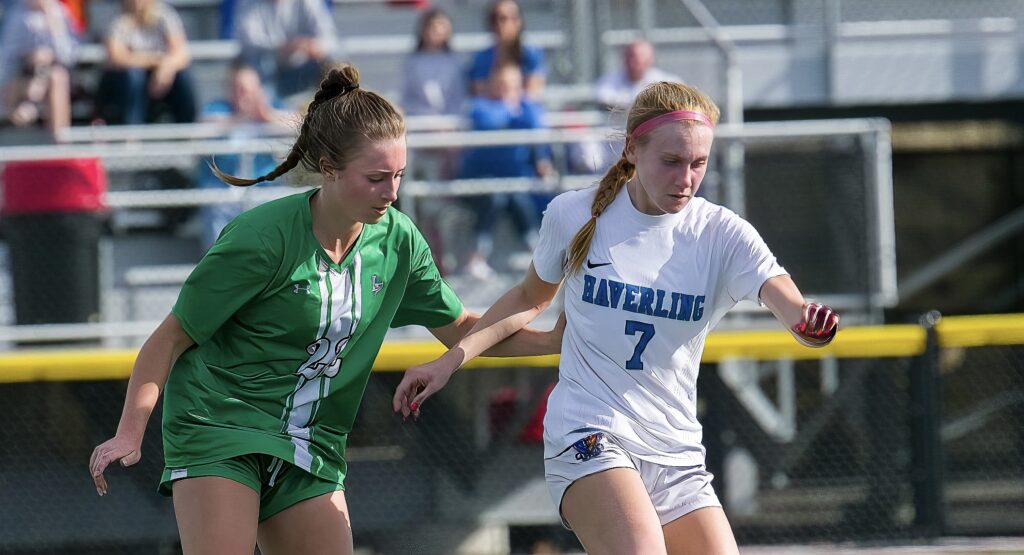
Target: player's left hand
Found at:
x=418, y=384
x=819, y=325
x=118, y=448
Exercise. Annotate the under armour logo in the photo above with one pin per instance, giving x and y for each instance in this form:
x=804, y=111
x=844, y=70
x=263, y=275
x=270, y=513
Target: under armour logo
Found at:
x=375, y=284
x=301, y=288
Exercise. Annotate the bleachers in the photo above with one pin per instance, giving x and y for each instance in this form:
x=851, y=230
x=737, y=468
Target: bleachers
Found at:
x=145, y=258
x=145, y=269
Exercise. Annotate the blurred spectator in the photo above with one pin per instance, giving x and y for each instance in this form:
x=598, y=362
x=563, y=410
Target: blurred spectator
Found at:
x=247, y=109
x=287, y=41
x=506, y=24
x=434, y=86
x=36, y=49
x=227, y=17
x=433, y=73
x=505, y=107
x=148, y=59
x=618, y=88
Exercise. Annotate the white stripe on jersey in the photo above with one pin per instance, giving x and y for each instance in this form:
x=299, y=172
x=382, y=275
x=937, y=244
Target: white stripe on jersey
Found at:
x=356, y=294
x=340, y=307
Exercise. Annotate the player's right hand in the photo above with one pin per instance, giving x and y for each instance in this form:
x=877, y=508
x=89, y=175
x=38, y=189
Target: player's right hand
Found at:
x=819, y=325
x=117, y=448
x=418, y=384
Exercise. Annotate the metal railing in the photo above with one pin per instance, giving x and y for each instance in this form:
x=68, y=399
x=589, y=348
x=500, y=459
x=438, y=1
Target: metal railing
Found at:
x=874, y=166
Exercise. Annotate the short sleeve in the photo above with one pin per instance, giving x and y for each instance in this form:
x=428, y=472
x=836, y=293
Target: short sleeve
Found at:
x=118, y=30
x=428, y=300
x=235, y=270
x=321, y=20
x=480, y=67
x=533, y=61
x=552, y=243
x=171, y=21
x=749, y=262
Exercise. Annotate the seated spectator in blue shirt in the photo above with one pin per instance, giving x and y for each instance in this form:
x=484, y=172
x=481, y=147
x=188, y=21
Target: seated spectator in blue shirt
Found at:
x=287, y=41
x=506, y=24
x=37, y=47
x=505, y=107
x=148, y=61
x=247, y=111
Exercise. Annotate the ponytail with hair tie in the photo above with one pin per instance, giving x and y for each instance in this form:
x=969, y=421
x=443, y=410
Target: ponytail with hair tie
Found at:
x=337, y=134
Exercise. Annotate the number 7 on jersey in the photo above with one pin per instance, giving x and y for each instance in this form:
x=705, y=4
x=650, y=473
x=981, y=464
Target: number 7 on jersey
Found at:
x=646, y=333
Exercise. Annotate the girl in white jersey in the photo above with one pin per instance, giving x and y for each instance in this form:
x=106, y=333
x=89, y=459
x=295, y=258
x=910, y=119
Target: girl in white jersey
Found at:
x=274, y=335
x=648, y=270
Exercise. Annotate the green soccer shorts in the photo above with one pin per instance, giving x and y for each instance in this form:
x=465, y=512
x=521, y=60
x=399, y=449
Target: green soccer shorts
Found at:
x=279, y=483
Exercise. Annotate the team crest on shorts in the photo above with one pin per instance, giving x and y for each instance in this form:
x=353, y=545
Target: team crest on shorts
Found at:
x=589, y=447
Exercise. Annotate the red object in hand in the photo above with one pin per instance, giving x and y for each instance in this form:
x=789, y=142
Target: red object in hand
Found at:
x=819, y=325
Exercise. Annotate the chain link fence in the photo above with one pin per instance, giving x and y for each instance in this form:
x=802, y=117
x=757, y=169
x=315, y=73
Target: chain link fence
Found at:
x=804, y=452
x=983, y=439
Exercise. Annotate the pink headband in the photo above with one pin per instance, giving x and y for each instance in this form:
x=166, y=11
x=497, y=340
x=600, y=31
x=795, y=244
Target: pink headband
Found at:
x=678, y=115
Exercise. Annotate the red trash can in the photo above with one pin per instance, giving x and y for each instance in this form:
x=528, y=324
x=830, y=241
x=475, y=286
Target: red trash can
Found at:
x=53, y=217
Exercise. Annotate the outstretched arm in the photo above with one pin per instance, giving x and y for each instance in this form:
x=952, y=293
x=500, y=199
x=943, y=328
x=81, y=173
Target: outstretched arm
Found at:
x=525, y=342
x=812, y=324
x=472, y=335
x=510, y=314
x=149, y=375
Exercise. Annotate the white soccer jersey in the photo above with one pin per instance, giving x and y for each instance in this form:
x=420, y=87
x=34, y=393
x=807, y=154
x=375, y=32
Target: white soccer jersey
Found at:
x=638, y=312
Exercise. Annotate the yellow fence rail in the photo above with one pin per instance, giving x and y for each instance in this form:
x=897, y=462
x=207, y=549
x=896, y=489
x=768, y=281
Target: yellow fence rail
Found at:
x=29, y=365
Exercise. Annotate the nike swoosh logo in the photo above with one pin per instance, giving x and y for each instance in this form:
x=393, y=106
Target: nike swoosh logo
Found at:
x=591, y=265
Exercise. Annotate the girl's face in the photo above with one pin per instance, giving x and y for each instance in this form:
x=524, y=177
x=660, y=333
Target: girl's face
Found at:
x=136, y=7
x=506, y=21
x=246, y=93
x=436, y=32
x=506, y=84
x=670, y=165
x=368, y=185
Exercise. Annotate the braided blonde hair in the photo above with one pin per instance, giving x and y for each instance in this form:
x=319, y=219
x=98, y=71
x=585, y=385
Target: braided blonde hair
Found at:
x=655, y=100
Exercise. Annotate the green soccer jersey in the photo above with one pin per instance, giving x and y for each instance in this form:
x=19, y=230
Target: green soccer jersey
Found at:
x=285, y=338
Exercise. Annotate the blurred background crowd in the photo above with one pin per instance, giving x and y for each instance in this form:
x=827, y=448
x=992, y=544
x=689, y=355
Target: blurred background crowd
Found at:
x=877, y=146
x=270, y=55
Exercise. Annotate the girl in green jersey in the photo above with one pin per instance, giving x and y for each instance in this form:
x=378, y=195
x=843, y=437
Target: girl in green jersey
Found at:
x=274, y=334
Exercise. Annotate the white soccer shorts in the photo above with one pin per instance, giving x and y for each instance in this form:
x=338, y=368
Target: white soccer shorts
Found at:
x=675, y=490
